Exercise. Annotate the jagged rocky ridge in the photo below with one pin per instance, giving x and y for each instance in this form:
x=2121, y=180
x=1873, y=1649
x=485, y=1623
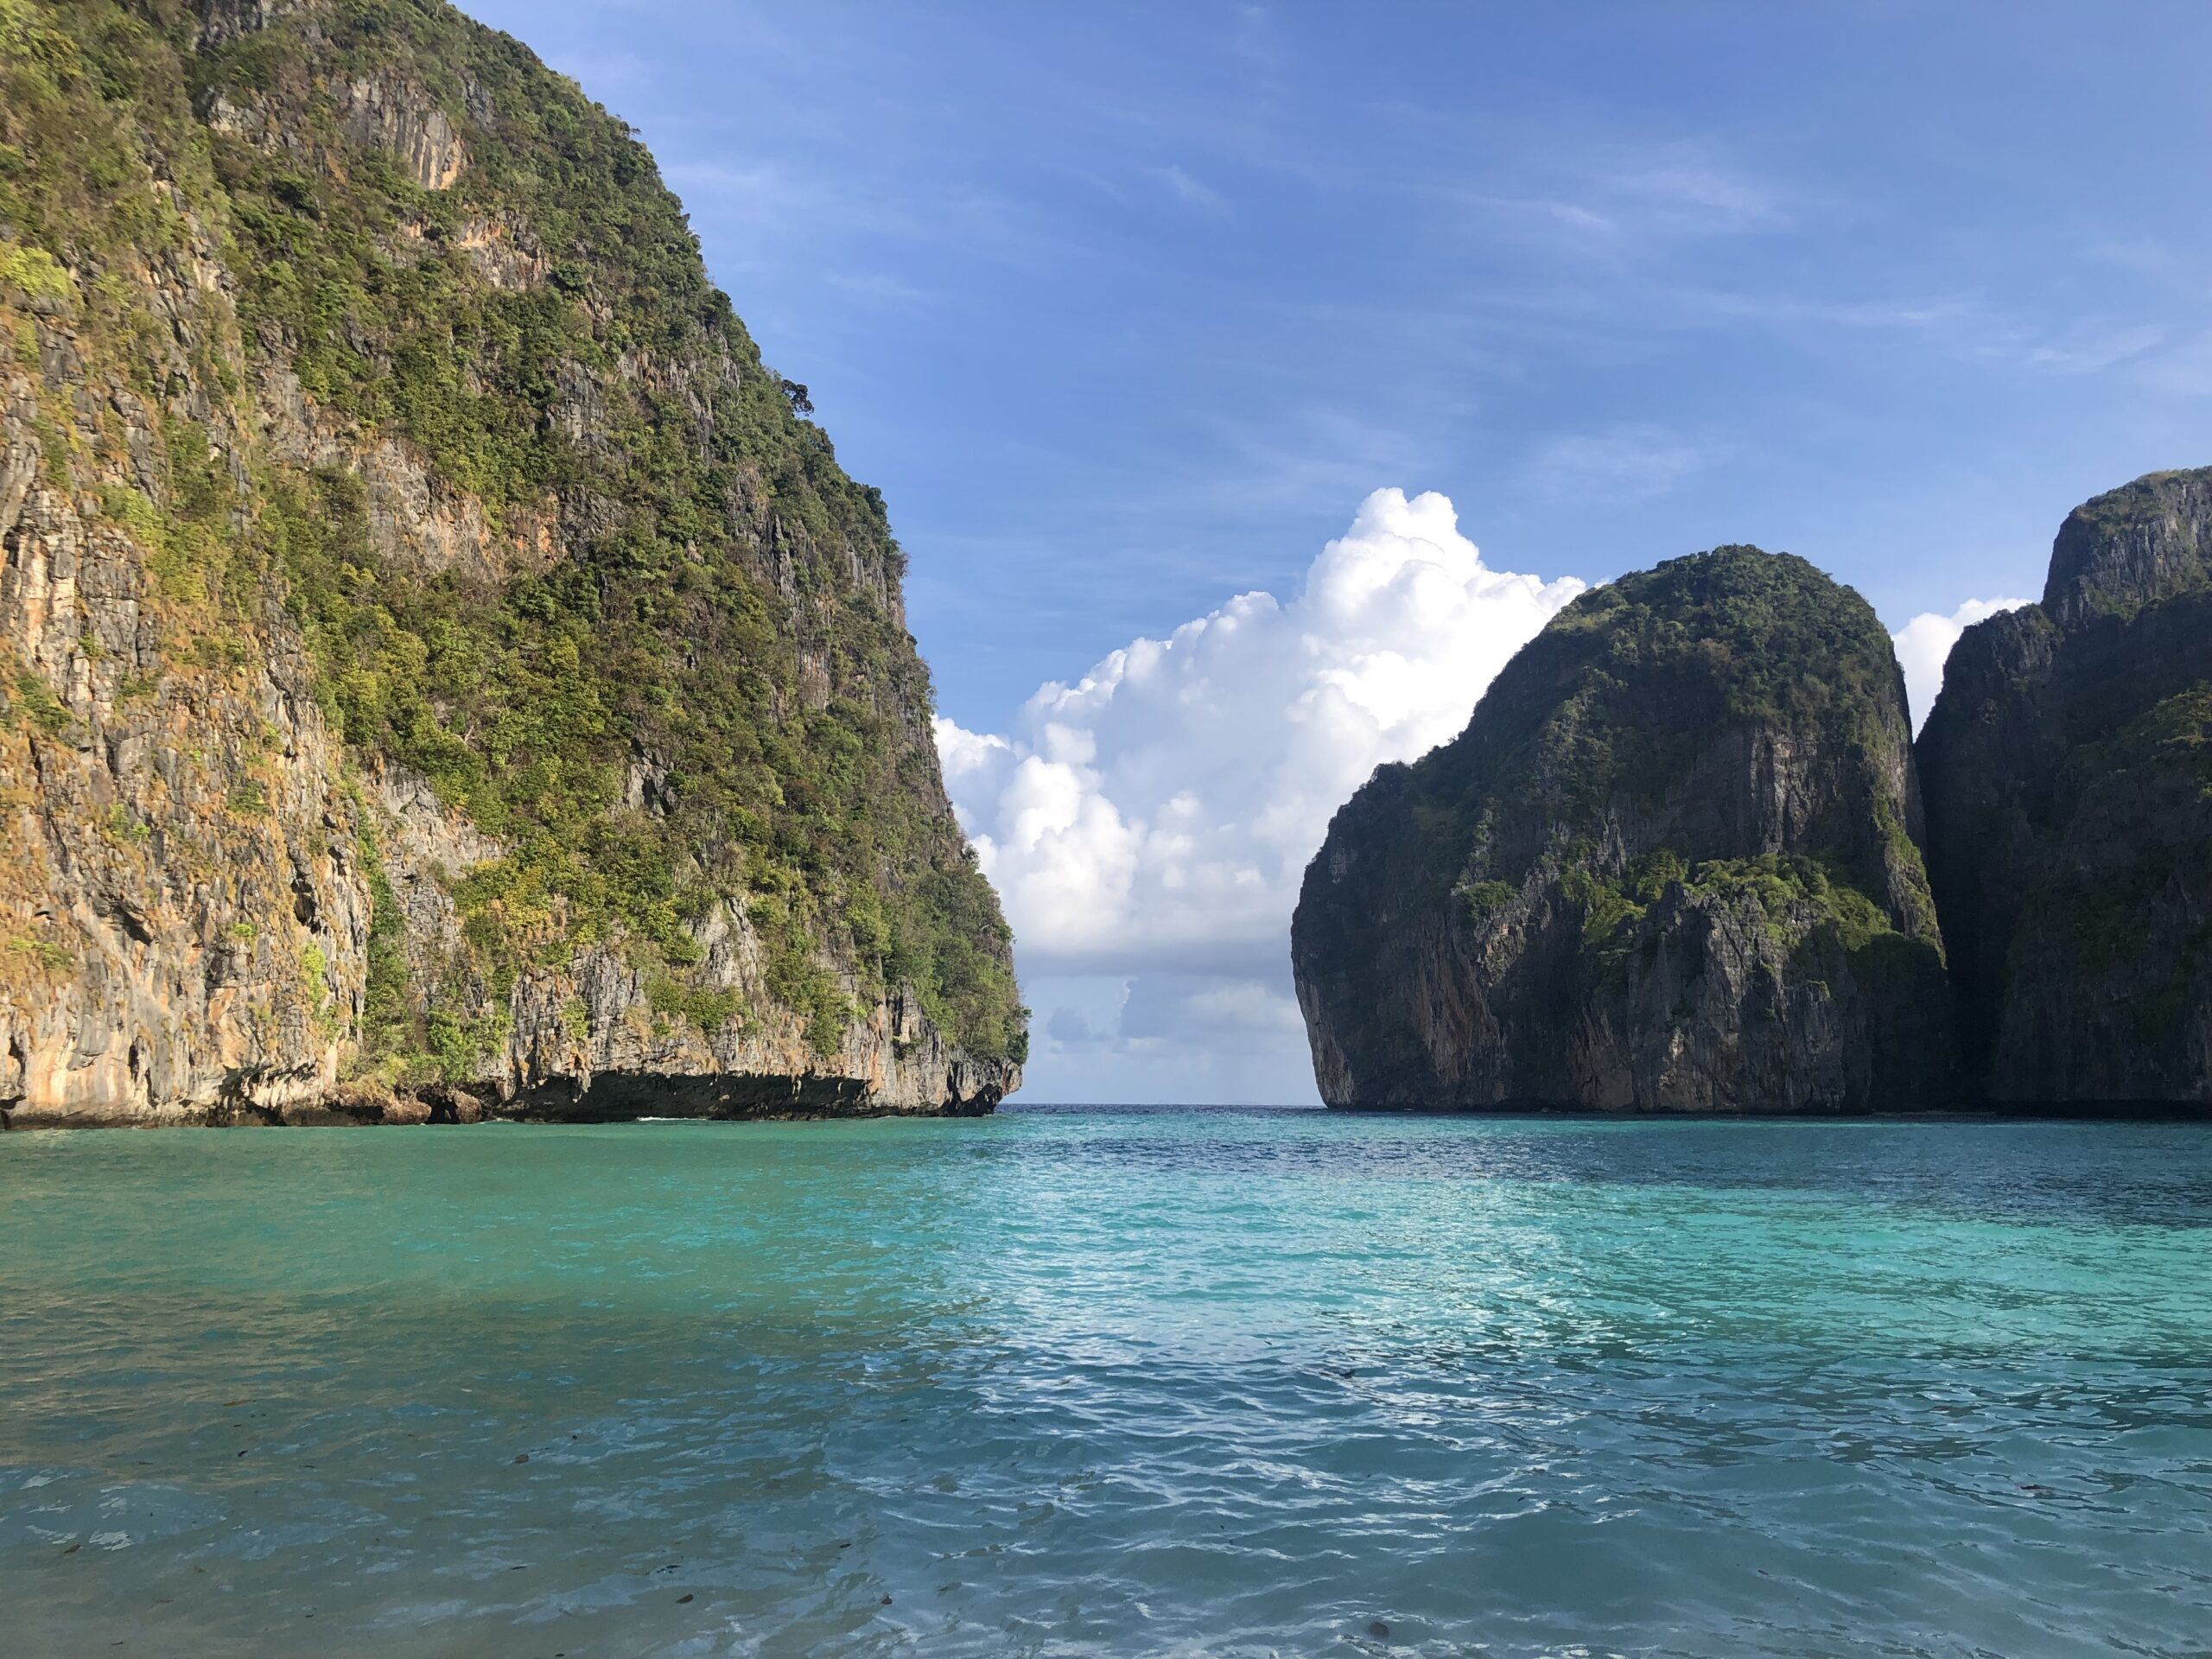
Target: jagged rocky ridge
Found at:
x=444, y=673
x=2068, y=762
x=1671, y=865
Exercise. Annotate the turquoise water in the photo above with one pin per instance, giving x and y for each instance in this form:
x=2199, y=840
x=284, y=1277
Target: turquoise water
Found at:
x=1200, y=1383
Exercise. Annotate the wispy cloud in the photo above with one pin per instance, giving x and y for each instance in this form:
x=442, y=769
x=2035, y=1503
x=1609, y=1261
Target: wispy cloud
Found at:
x=1895, y=312
x=1186, y=189
x=2087, y=347
x=2184, y=370
x=1606, y=204
x=1702, y=195
x=1626, y=463
x=777, y=205
x=1255, y=39
x=882, y=289
x=1971, y=329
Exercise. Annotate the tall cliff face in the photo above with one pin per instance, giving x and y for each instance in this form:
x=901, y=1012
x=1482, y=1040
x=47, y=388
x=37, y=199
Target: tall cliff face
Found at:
x=444, y=670
x=2068, y=762
x=1669, y=865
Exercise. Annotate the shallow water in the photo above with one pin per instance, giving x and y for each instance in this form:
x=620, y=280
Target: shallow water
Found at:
x=1137, y=1382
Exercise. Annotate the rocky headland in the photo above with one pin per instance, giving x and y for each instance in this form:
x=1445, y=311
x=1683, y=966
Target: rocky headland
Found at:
x=1675, y=861
x=1671, y=866
x=2069, y=762
x=446, y=673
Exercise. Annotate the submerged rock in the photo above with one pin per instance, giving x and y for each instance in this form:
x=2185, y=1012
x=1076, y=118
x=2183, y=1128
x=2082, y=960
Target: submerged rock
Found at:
x=2068, y=762
x=1671, y=865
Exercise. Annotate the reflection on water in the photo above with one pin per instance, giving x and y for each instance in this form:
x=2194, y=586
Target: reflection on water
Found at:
x=1110, y=1383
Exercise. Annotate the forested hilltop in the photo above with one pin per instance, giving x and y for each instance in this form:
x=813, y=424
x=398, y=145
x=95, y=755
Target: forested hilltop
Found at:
x=447, y=671
x=1672, y=864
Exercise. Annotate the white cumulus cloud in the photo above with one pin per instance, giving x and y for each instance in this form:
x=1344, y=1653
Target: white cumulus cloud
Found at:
x=1159, y=811
x=1155, y=816
x=1924, y=646
x=1148, y=824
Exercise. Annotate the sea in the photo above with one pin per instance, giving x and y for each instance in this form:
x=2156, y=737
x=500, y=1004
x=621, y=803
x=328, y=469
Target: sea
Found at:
x=1109, y=1382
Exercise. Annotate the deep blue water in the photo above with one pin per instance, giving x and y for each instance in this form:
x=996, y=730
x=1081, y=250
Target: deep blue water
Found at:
x=1109, y=1382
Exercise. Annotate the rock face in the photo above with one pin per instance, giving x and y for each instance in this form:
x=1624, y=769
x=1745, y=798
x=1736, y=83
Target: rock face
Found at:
x=1670, y=866
x=441, y=672
x=2068, y=762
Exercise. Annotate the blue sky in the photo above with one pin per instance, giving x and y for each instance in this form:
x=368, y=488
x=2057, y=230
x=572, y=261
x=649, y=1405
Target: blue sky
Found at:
x=1127, y=309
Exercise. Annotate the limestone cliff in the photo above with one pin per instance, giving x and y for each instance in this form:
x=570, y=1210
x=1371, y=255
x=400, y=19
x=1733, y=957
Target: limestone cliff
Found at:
x=2068, y=762
x=1669, y=865
x=445, y=672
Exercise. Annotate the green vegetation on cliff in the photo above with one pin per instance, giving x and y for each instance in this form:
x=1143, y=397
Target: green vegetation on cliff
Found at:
x=1611, y=707
x=669, y=667
x=1740, y=632
x=2135, y=546
x=1668, y=865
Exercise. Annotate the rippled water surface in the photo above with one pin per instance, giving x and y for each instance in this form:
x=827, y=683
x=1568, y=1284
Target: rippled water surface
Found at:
x=1134, y=1383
